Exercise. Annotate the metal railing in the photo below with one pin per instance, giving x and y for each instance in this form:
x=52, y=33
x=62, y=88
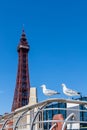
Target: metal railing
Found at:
x=40, y=116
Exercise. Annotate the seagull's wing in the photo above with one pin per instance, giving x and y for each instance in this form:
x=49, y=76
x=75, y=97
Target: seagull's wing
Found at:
x=49, y=92
x=71, y=91
x=52, y=91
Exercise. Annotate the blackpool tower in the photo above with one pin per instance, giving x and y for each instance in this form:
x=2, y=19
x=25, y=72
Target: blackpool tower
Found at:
x=22, y=89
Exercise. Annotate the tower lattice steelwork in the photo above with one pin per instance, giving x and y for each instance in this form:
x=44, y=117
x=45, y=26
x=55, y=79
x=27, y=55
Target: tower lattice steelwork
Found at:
x=22, y=89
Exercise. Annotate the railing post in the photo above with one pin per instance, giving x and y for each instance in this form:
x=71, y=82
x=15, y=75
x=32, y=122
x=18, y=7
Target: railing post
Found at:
x=36, y=115
x=15, y=126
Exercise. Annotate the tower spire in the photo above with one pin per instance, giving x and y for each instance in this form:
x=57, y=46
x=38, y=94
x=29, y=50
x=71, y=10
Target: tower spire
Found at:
x=22, y=89
x=23, y=28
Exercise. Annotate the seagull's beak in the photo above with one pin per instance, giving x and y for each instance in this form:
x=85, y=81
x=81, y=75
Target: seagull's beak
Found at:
x=62, y=84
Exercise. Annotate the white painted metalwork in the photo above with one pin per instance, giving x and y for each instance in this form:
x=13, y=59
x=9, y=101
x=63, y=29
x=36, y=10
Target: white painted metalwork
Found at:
x=21, y=115
x=53, y=126
x=72, y=115
x=18, y=115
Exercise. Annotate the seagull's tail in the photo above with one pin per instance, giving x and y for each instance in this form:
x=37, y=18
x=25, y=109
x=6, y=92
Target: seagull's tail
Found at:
x=57, y=93
x=80, y=95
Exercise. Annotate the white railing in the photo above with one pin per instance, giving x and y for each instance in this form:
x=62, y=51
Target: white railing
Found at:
x=33, y=118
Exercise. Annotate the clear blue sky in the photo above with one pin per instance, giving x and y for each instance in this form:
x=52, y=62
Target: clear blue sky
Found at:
x=57, y=33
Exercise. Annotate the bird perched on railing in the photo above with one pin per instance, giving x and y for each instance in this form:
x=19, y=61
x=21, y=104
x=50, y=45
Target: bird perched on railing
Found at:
x=70, y=92
x=48, y=92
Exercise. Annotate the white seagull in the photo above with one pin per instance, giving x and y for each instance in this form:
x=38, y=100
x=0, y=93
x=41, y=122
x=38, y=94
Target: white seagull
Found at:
x=69, y=92
x=48, y=92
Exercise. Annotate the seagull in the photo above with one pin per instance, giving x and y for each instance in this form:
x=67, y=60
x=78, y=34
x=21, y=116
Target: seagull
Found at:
x=48, y=92
x=69, y=92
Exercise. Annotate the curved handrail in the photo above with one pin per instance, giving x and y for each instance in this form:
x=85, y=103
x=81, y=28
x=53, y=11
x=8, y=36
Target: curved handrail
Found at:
x=6, y=122
x=69, y=117
x=37, y=114
x=40, y=105
x=53, y=126
x=21, y=115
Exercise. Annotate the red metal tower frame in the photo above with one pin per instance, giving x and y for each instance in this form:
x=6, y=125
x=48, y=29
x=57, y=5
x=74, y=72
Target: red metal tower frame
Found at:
x=22, y=89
